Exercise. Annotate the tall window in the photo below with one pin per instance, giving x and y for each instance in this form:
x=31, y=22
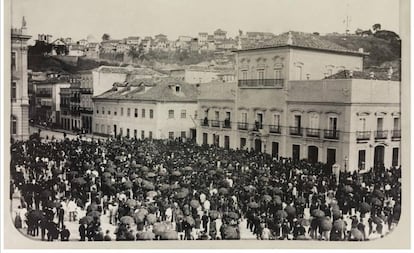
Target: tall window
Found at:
x=183, y=114
x=143, y=113
x=380, y=123
x=217, y=115
x=298, y=72
x=244, y=74
x=150, y=135
x=396, y=123
x=361, y=159
x=297, y=121
x=13, y=61
x=128, y=112
x=13, y=91
x=363, y=124
x=183, y=134
x=170, y=114
x=151, y=112
x=122, y=111
x=278, y=74
x=395, y=155
x=261, y=75
x=259, y=120
x=332, y=123
x=276, y=119
x=171, y=135
x=195, y=114
x=142, y=134
x=13, y=124
x=313, y=121
x=103, y=110
x=244, y=117
x=136, y=113
x=135, y=133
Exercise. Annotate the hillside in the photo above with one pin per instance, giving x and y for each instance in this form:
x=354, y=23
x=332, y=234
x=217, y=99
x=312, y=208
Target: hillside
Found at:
x=382, y=53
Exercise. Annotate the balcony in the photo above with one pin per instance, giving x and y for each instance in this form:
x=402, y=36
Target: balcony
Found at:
x=204, y=122
x=242, y=126
x=363, y=135
x=215, y=123
x=295, y=131
x=257, y=126
x=381, y=134
x=274, y=129
x=86, y=91
x=312, y=132
x=274, y=83
x=226, y=123
x=331, y=134
x=395, y=134
x=86, y=110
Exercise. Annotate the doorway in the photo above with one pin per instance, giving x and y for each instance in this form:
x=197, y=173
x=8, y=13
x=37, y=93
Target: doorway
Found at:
x=379, y=156
x=258, y=145
x=312, y=154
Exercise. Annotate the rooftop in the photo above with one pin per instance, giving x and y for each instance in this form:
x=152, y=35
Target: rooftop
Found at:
x=376, y=75
x=217, y=90
x=154, y=89
x=300, y=40
x=129, y=70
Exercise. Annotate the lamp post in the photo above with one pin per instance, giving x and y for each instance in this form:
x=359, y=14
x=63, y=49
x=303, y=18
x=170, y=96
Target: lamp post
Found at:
x=345, y=162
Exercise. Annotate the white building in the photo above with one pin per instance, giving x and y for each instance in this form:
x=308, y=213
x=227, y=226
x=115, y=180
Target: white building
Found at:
x=158, y=108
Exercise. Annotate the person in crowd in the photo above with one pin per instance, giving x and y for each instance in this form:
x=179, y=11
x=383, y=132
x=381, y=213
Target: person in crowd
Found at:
x=64, y=234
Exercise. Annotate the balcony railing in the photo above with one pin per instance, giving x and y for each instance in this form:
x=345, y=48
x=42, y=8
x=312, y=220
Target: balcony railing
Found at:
x=86, y=91
x=227, y=123
x=295, y=131
x=215, y=123
x=312, y=132
x=257, y=126
x=381, y=134
x=204, y=122
x=242, y=125
x=276, y=83
x=363, y=135
x=395, y=134
x=275, y=129
x=331, y=134
x=86, y=110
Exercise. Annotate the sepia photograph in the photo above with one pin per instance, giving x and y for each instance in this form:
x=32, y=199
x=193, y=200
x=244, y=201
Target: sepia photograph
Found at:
x=189, y=123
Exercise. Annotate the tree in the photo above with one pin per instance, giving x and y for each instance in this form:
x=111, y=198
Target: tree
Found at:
x=106, y=36
x=376, y=27
x=136, y=53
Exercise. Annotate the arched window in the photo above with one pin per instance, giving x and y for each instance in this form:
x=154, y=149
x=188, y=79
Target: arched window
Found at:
x=13, y=124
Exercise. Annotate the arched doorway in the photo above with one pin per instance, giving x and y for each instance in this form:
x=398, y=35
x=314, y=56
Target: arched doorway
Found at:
x=379, y=156
x=258, y=145
x=312, y=154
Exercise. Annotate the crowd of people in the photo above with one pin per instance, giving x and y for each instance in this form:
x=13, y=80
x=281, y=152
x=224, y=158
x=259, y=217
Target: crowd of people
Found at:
x=174, y=190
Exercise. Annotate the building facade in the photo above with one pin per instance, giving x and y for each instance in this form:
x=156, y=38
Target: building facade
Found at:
x=147, y=108
x=19, y=115
x=285, y=106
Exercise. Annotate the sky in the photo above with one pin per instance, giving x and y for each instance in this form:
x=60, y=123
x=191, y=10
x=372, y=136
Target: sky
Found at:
x=123, y=18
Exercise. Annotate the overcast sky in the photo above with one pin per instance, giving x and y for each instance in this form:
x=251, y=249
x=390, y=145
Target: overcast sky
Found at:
x=122, y=18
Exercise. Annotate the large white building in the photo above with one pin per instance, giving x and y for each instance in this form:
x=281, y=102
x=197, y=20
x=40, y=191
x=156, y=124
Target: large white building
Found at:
x=19, y=115
x=158, y=108
x=286, y=103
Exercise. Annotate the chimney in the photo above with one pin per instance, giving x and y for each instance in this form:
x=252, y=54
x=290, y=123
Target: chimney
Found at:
x=361, y=50
x=390, y=72
x=289, y=40
x=351, y=74
x=371, y=75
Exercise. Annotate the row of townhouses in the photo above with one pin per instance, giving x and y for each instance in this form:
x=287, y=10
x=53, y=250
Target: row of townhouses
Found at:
x=298, y=96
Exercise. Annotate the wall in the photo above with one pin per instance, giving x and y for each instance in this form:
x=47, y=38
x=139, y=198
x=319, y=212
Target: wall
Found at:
x=104, y=81
x=194, y=76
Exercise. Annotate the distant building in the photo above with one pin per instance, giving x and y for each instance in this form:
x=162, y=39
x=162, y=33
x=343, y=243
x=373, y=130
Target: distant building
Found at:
x=133, y=40
x=157, y=108
x=198, y=75
x=109, y=46
x=202, y=38
x=19, y=114
x=92, y=50
x=86, y=104
x=47, y=38
x=219, y=35
x=70, y=105
x=76, y=50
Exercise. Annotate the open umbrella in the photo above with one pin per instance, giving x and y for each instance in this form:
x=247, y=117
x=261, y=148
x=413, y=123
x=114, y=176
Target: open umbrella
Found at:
x=233, y=215
x=163, y=173
x=356, y=235
x=348, y=189
x=164, y=187
x=214, y=215
x=212, y=172
x=151, y=194
x=230, y=233
x=127, y=220
x=151, y=174
x=249, y=188
x=223, y=191
x=325, y=224
x=376, y=220
x=151, y=218
x=106, y=174
x=281, y=214
x=278, y=191
x=169, y=235
x=139, y=217
x=148, y=185
x=190, y=220
x=146, y=236
x=339, y=225
x=159, y=228
x=379, y=194
x=94, y=214
x=266, y=198
x=79, y=181
x=336, y=214
x=253, y=205
x=291, y=211
x=318, y=213
x=131, y=203
x=86, y=220
x=176, y=173
x=376, y=202
x=144, y=169
x=35, y=215
x=304, y=222
x=187, y=169
x=300, y=200
x=110, y=170
x=194, y=203
x=364, y=207
x=127, y=184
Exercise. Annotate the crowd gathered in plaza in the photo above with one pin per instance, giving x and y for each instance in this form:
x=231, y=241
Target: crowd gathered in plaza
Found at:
x=177, y=190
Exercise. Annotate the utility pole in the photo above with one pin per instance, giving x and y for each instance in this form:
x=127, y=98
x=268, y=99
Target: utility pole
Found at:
x=348, y=20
